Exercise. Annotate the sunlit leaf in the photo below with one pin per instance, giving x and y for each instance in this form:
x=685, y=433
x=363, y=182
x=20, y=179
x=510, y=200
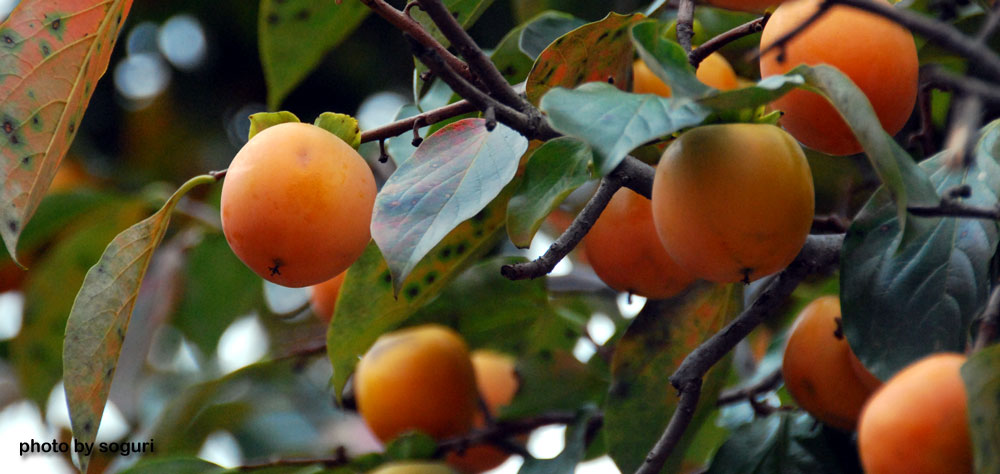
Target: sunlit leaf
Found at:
x=97, y=323
x=902, y=301
x=262, y=120
x=981, y=374
x=284, y=25
x=599, y=51
x=451, y=177
x=52, y=53
x=641, y=399
x=666, y=59
x=553, y=171
x=615, y=122
x=786, y=442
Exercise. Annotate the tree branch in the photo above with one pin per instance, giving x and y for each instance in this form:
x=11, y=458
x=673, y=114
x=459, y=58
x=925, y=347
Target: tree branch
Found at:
x=408, y=25
x=937, y=76
x=952, y=206
x=685, y=24
x=765, y=384
x=818, y=254
x=430, y=117
x=477, y=60
x=696, y=56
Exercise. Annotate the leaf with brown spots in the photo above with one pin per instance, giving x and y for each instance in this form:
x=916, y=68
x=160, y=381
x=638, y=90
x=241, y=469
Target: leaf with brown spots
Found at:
x=599, y=51
x=641, y=399
x=52, y=53
x=101, y=313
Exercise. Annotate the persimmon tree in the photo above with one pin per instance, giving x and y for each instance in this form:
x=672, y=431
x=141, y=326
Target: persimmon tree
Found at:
x=504, y=142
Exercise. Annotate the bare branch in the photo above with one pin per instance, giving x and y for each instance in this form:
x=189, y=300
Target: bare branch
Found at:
x=685, y=24
x=430, y=117
x=696, y=56
x=679, y=422
x=938, y=77
x=766, y=384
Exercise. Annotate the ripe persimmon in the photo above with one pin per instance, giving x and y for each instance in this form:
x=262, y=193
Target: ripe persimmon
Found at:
x=626, y=253
x=819, y=367
x=323, y=297
x=733, y=202
x=918, y=422
x=877, y=54
x=297, y=204
x=714, y=70
x=419, y=378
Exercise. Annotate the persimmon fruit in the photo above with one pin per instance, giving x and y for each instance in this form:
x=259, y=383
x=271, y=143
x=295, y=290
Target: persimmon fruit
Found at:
x=918, y=422
x=498, y=383
x=714, y=70
x=625, y=251
x=819, y=367
x=877, y=54
x=297, y=204
x=418, y=378
x=753, y=6
x=733, y=202
x=323, y=297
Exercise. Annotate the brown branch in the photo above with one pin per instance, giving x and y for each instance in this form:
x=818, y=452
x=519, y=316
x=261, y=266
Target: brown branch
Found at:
x=696, y=56
x=685, y=24
x=818, y=254
x=765, y=385
x=990, y=26
x=989, y=327
x=408, y=25
x=940, y=78
x=430, y=117
x=952, y=206
x=829, y=224
x=474, y=55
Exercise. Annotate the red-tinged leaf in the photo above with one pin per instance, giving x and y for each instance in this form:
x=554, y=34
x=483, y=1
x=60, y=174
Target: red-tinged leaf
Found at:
x=452, y=176
x=641, y=399
x=100, y=316
x=599, y=51
x=52, y=53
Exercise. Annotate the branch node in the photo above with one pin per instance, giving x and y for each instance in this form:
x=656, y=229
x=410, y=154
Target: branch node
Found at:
x=491, y=118
x=383, y=155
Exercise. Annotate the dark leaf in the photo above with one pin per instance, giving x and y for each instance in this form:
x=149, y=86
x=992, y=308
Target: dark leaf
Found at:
x=982, y=383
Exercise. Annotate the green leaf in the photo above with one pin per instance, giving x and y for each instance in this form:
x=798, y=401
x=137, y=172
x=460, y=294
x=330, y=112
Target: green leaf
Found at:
x=762, y=93
x=615, y=122
x=212, y=270
x=451, y=177
x=188, y=465
x=641, y=399
x=51, y=57
x=896, y=169
x=786, y=442
x=543, y=29
x=940, y=278
x=552, y=380
x=294, y=35
x=599, y=51
x=667, y=59
x=343, y=126
x=261, y=120
x=97, y=323
x=554, y=170
x=411, y=445
x=981, y=374
x=368, y=307
x=36, y=352
x=571, y=455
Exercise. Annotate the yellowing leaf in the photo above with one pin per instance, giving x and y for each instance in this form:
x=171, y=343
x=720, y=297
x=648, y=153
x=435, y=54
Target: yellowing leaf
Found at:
x=52, y=53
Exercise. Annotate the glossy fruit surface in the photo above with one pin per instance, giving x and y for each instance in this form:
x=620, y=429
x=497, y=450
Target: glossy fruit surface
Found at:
x=878, y=55
x=626, y=253
x=323, y=297
x=419, y=378
x=733, y=202
x=497, y=383
x=297, y=204
x=819, y=367
x=918, y=421
x=714, y=70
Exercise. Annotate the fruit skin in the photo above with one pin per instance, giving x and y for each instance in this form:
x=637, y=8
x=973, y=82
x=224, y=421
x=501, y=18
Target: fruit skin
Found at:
x=413, y=467
x=497, y=382
x=733, y=202
x=714, y=70
x=819, y=367
x=297, y=204
x=419, y=378
x=918, y=421
x=877, y=54
x=323, y=297
x=626, y=253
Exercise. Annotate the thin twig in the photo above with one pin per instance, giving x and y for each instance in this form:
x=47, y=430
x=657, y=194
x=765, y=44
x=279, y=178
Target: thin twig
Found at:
x=696, y=56
x=504, y=430
x=989, y=327
x=952, y=206
x=430, y=117
x=961, y=141
x=990, y=26
x=408, y=25
x=783, y=40
x=766, y=384
x=819, y=253
x=938, y=77
x=685, y=24
x=477, y=60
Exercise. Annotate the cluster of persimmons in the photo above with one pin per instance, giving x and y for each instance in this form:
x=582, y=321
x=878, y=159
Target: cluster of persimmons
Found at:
x=731, y=202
